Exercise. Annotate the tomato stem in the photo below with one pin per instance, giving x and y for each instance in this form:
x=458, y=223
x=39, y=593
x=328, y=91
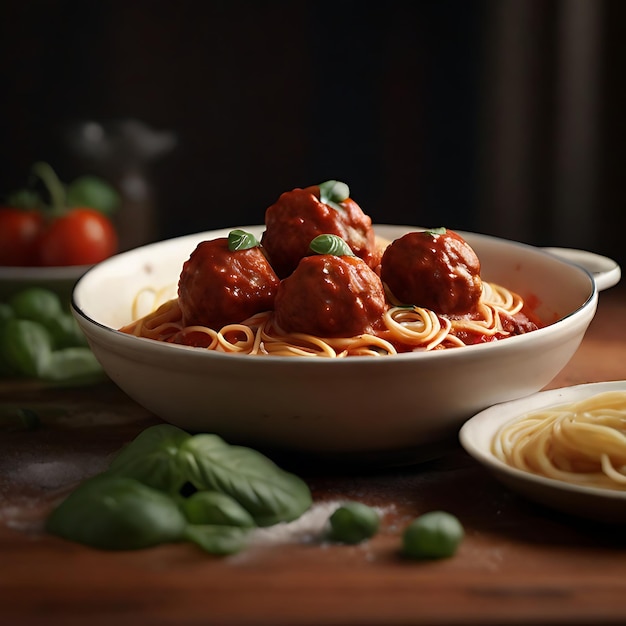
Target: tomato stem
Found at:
x=55, y=187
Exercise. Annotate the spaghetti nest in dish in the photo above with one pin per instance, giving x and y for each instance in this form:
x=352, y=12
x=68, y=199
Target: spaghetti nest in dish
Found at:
x=583, y=443
x=404, y=329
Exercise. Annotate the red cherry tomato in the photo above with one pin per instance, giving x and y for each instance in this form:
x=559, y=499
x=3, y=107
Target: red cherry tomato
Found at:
x=80, y=237
x=19, y=234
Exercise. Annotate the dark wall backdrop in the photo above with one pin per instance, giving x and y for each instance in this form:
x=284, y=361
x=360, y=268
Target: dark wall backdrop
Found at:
x=398, y=99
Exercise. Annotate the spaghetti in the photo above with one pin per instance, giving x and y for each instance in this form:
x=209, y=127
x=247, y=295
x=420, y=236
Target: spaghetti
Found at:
x=583, y=443
x=403, y=329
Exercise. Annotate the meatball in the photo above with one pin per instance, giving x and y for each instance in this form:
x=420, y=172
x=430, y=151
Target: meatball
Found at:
x=218, y=286
x=437, y=270
x=330, y=296
x=298, y=216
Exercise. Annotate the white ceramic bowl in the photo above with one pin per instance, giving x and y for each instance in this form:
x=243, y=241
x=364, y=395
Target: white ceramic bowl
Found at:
x=477, y=434
x=402, y=406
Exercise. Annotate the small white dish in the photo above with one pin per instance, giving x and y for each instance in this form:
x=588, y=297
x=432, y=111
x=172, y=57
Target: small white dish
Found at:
x=59, y=279
x=476, y=436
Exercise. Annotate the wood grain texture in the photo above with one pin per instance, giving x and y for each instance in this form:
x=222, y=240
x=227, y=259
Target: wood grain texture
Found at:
x=519, y=563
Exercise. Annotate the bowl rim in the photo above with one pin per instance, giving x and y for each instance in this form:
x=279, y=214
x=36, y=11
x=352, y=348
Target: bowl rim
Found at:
x=45, y=273
x=466, y=351
x=496, y=416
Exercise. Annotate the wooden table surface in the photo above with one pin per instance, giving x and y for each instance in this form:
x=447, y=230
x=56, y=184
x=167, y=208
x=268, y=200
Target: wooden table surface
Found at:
x=519, y=563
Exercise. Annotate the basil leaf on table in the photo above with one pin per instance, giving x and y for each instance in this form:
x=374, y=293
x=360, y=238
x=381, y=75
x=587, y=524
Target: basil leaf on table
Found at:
x=65, y=332
x=6, y=314
x=219, y=540
x=71, y=365
x=267, y=492
x=433, y=535
x=44, y=306
x=26, y=347
x=237, y=488
x=40, y=339
x=353, y=522
x=152, y=458
x=36, y=304
x=216, y=509
x=117, y=513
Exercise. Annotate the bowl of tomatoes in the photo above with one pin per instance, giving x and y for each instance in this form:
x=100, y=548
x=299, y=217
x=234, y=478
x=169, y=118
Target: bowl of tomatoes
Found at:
x=51, y=233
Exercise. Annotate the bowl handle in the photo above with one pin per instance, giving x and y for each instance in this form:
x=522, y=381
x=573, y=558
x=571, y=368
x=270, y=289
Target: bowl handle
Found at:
x=606, y=272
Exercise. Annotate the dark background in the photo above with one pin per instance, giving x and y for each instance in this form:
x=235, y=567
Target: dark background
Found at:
x=499, y=116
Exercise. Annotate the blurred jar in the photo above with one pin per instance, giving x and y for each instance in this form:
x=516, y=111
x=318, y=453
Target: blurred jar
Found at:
x=122, y=152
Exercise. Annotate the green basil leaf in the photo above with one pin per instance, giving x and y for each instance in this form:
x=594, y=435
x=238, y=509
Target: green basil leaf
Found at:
x=332, y=192
x=117, y=513
x=65, y=332
x=270, y=494
x=219, y=540
x=433, y=535
x=216, y=509
x=353, y=522
x=36, y=304
x=241, y=240
x=93, y=192
x=25, y=199
x=330, y=244
x=44, y=306
x=437, y=231
x=71, y=364
x=152, y=458
x=26, y=347
x=6, y=312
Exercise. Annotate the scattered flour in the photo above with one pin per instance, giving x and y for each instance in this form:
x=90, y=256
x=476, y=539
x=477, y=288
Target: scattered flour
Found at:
x=55, y=474
x=310, y=528
x=36, y=472
x=32, y=482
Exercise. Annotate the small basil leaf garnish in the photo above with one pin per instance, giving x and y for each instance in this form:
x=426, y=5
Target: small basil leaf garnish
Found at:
x=331, y=244
x=241, y=240
x=437, y=231
x=332, y=192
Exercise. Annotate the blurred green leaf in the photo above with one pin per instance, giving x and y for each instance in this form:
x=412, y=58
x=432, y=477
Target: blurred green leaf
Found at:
x=93, y=192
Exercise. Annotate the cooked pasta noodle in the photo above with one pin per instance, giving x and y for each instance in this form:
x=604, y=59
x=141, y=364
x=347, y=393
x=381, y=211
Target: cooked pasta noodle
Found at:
x=405, y=329
x=582, y=443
